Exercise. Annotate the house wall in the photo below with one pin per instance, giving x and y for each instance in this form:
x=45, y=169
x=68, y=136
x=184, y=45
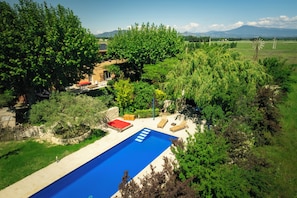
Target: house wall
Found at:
x=98, y=72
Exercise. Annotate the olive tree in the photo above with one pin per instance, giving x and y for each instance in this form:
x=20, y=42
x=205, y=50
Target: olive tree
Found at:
x=67, y=114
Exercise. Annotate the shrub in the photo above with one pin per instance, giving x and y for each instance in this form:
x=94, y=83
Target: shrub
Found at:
x=69, y=114
x=6, y=98
x=143, y=95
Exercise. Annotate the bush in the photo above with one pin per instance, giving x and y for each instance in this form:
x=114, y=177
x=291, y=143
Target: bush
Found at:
x=146, y=113
x=6, y=98
x=143, y=95
x=70, y=115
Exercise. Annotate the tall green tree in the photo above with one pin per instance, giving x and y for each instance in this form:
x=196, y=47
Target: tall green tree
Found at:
x=10, y=34
x=145, y=44
x=216, y=77
x=43, y=46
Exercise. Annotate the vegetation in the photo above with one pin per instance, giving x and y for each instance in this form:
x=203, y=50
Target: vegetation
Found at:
x=248, y=152
x=68, y=115
x=285, y=49
x=22, y=158
x=145, y=44
x=157, y=184
x=124, y=92
x=6, y=98
x=241, y=154
x=216, y=79
x=42, y=47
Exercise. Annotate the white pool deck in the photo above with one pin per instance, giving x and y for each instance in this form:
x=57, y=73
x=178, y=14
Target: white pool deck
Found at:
x=42, y=178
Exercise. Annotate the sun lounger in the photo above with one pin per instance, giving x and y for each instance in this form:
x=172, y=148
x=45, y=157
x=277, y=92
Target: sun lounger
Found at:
x=119, y=125
x=162, y=122
x=181, y=126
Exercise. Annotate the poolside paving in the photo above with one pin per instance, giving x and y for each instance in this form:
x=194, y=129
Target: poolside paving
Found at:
x=42, y=178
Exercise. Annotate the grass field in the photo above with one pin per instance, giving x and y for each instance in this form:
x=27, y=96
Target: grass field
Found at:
x=282, y=154
x=284, y=49
x=21, y=158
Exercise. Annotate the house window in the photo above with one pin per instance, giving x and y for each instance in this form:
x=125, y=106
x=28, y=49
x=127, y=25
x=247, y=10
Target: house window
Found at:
x=107, y=75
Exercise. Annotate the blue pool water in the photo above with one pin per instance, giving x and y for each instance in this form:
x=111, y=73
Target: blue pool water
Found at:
x=101, y=176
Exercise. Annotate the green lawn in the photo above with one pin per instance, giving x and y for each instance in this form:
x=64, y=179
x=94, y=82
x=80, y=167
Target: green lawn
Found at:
x=21, y=158
x=282, y=154
x=284, y=49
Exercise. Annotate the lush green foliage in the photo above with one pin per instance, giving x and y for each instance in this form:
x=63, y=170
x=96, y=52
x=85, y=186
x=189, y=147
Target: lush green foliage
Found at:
x=43, y=46
x=25, y=157
x=137, y=96
x=156, y=73
x=217, y=77
x=160, y=97
x=124, y=93
x=70, y=115
x=143, y=95
x=279, y=70
x=145, y=44
x=282, y=153
x=205, y=160
x=6, y=98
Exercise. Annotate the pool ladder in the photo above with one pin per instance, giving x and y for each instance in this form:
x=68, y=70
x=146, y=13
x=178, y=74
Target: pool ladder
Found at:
x=144, y=133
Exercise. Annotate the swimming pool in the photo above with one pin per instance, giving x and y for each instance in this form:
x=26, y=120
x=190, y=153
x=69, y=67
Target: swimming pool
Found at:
x=101, y=176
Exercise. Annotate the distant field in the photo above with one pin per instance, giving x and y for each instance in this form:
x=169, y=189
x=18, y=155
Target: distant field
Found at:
x=284, y=49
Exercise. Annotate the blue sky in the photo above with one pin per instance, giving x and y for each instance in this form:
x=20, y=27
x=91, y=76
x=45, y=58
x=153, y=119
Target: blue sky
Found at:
x=184, y=15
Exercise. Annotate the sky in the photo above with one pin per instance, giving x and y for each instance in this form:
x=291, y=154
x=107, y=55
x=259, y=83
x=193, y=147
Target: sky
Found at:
x=184, y=15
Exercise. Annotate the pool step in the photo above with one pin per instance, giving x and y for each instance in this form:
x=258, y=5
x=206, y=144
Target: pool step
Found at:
x=142, y=135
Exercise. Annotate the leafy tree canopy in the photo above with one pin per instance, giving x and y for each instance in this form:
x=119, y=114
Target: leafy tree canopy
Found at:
x=43, y=46
x=204, y=160
x=145, y=44
x=156, y=73
x=214, y=76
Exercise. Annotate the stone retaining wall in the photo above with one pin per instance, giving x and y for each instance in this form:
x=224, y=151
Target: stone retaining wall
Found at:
x=7, y=117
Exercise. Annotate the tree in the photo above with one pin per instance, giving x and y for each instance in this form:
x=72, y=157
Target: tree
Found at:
x=156, y=73
x=10, y=47
x=68, y=114
x=145, y=44
x=217, y=77
x=44, y=47
x=279, y=70
x=203, y=158
x=124, y=94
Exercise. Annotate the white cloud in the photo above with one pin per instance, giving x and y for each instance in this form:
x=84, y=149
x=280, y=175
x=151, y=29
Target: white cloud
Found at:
x=196, y=27
x=278, y=22
x=222, y=27
x=281, y=22
x=191, y=27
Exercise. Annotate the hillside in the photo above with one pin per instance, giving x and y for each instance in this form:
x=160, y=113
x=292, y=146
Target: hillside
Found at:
x=241, y=32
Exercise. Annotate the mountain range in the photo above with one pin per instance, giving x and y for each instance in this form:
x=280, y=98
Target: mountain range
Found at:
x=241, y=32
